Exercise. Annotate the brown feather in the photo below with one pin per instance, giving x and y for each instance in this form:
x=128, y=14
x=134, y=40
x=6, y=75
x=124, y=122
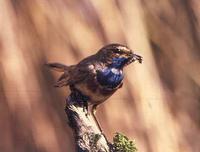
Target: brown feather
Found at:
x=63, y=80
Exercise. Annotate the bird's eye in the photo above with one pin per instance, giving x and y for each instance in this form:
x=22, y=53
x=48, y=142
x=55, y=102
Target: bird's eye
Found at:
x=117, y=51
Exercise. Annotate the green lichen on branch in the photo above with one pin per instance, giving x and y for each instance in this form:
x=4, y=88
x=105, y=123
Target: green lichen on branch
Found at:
x=121, y=143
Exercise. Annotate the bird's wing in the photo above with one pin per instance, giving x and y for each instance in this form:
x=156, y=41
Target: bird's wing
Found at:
x=83, y=70
x=73, y=75
x=80, y=73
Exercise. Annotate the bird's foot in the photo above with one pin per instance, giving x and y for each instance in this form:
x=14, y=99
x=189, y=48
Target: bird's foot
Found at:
x=94, y=110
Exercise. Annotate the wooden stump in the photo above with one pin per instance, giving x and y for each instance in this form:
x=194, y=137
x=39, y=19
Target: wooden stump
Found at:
x=88, y=137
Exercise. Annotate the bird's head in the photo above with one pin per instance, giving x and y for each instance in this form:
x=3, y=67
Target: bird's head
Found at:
x=118, y=55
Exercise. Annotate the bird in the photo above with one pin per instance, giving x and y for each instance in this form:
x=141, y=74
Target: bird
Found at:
x=99, y=76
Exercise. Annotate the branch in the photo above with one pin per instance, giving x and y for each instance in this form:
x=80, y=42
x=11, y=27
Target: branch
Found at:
x=88, y=137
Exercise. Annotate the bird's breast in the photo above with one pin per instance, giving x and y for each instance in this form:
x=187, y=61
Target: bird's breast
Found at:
x=95, y=93
x=100, y=84
x=110, y=77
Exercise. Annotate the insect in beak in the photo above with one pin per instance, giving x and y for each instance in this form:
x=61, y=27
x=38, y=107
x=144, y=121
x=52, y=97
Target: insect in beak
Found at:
x=133, y=57
x=137, y=57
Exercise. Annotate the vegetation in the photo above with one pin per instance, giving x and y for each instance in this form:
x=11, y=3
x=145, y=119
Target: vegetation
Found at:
x=121, y=143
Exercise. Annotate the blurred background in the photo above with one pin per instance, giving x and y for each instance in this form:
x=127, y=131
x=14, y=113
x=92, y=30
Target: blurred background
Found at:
x=159, y=104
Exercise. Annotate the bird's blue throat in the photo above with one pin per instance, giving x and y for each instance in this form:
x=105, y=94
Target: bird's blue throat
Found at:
x=119, y=62
x=112, y=75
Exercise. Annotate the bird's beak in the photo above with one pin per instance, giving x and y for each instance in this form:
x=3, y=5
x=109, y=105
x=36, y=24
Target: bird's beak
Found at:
x=133, y=57
x=137, y=57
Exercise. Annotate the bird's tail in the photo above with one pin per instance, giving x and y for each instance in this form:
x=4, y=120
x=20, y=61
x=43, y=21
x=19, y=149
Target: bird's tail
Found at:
x=57, y=67
x=64, y=78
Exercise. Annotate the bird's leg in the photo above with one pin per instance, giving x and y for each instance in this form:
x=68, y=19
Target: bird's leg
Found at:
x=94, y=109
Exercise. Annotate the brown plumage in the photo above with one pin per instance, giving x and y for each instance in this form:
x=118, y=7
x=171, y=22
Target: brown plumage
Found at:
x=83, y=76
x=98, y=76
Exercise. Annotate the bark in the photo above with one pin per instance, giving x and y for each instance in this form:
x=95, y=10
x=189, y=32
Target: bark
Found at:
x=88, y=137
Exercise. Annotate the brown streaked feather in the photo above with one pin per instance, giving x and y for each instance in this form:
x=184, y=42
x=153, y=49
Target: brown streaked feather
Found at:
x=72, y=76
x=63, y=80
x=78, y=74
